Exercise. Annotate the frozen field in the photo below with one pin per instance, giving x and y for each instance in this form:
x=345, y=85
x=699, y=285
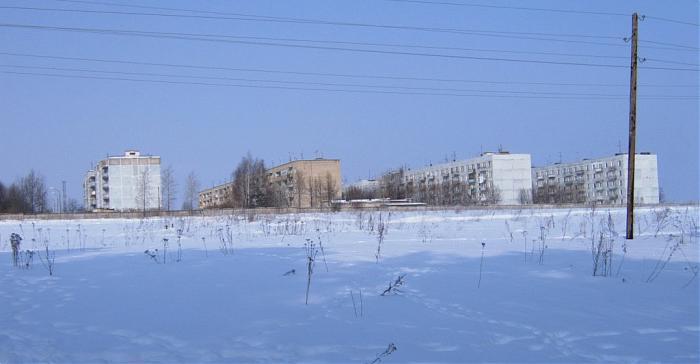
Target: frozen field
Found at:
x=491, y=285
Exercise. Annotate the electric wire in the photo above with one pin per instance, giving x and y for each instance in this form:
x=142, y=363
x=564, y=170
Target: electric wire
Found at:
x=330, y=74
x=193, y=37
x=566, y=11
x=477, y=5
x=393, y=45
x=569, y=11
x=340, y=90
x=250, y=17
x=243, y=17
x=673, y=21
x=333, y=84
x=210, y=38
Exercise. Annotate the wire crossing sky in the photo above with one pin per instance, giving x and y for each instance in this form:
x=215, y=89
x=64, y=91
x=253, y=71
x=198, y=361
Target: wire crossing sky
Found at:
x=378, y=84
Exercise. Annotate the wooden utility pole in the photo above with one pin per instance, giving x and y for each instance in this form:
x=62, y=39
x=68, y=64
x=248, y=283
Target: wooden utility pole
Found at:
x=633, y=131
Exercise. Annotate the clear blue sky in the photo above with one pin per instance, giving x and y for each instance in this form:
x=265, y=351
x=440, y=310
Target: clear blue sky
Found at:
x=60, y=125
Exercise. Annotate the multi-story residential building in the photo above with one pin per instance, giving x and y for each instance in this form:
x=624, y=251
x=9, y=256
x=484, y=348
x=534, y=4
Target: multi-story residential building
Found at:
x=492, y=178
x=217, y=196
x=300, y=183
x=306, y=182
x=128, y=182
x=603, y=181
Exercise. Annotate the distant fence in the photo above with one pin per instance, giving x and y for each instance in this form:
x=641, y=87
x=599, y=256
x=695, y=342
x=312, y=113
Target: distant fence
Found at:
x=291, y=210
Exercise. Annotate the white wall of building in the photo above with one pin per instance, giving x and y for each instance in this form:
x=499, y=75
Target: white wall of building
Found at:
x=604, y=180
x=119, y=183
x=126, y=186
x=512, y=173
x=507, y=173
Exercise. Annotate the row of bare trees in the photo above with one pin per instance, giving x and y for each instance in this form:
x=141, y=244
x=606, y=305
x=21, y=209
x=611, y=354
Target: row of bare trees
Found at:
x=26, y=195
x=168, y=185
x=391, y=185
x=557, y=194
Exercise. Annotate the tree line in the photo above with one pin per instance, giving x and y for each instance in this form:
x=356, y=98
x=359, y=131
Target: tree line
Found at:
x=27, y=194
x=391, y=185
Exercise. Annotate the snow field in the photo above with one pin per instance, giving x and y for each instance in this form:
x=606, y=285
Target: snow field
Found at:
x=110, y=302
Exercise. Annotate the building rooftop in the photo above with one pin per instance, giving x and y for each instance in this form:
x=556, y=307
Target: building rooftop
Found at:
x=133, y=154
x=306, y=160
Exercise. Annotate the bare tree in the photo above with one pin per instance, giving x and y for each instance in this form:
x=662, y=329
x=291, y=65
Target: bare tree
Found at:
x=250, y=183
x=391, y=184
x=331, y=188
x=32, y=188
x=278, y=195
x=168, y=186
x=191, y=192
x=144, y=195
x=315, y=186
x=73, y=206
x=493, y=195
x=357, y=193
x=525, y=196
x=15, y=201
x=299, y=186
x=3, y=198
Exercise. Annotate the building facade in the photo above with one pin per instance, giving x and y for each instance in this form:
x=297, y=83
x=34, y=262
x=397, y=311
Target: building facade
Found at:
x=217, y=196
x=601, y=181
x=300, y=183
x=123, y=183
x=306, y=183
x=492, y=178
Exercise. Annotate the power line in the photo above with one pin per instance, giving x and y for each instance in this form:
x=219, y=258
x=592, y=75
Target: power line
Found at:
x=535, y=36
x=326, y=74
x=208, y=38
x=569, y=11
x=258, y=18
x=645, y=59
x=321, y=83
x=566, y=11
x=671, y=44
x=669, y=98
x=672, y=20
x=399, y=45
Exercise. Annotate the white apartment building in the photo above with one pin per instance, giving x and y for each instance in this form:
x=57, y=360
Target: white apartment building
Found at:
x=122, y=183
x=603, y=181
x=501, y=178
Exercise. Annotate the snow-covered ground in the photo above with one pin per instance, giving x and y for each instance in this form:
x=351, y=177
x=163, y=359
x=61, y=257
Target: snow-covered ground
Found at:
x=490, y=285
